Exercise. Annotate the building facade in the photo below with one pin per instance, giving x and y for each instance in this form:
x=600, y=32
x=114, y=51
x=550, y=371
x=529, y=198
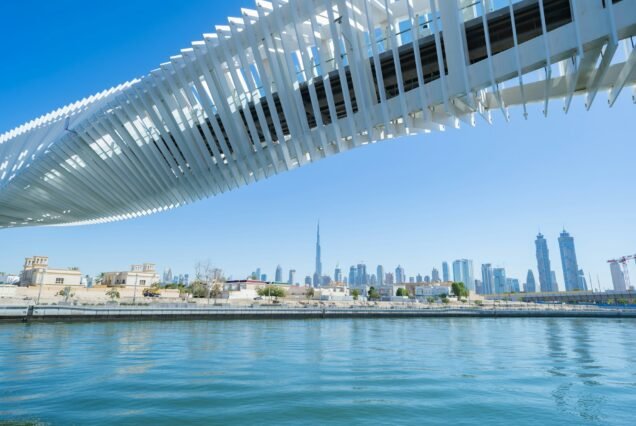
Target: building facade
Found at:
x=543, y=265
x=487, y=282
x=138, y=275
x=36, y=271
x=499, y=280
x=531, y=285
x=463, y=272
x=568, y=263
x=618, y=278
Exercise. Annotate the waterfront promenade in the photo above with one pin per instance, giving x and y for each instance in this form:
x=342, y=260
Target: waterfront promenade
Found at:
x=167, y=312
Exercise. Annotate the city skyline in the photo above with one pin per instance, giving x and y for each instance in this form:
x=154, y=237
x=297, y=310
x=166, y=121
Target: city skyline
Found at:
x=405, y=193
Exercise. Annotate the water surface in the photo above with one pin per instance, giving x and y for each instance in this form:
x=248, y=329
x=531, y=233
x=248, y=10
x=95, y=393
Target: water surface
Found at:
x=463, y=371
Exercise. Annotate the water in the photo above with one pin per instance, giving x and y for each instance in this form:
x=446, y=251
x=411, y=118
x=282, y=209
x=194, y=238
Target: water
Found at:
x=361, y=371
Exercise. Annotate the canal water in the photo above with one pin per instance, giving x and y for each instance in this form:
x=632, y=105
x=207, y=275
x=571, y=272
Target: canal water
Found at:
x=461, y=371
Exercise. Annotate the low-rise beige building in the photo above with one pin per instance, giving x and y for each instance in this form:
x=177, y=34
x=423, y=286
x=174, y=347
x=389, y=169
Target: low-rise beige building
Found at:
x=36, y=271
x=140, y=275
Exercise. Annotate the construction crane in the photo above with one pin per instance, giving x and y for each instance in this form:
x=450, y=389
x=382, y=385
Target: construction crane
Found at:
x=623, y=261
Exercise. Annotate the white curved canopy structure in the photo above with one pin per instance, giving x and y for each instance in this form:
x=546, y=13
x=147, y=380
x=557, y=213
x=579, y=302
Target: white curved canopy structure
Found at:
x=293, y=82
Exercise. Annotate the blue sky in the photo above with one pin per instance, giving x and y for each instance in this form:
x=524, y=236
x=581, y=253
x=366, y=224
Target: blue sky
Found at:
x=480, y=193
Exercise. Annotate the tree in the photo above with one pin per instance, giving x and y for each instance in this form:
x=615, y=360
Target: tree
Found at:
x=309, y=293
x=402, y=292
x=459, y=290
x=430, y=299
x=113, y=294
x=209, y=279
x=66, y=293
x=373, y=294
x=355, y=293
x=272, y=290
x=216, y=290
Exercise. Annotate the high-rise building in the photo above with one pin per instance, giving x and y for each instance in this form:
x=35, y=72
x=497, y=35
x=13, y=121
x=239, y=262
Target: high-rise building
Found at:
x=308, y=281
x=318, y=271
x=337, y=274
x=292, y=277
x=361, y=275
x=418, y=278
x=373, y=280
x=389, y=279
x=380, y=275
x=435, y=275
x=487, y=286
x=531, y=285
x=543, y=265
x=463, y=272
x=581, y=280
x=618, y=278
x=400, y=276
x=352, y=276
x=479, y=288
x=427, y=279
x=278, y=276
x=499, y=280
x=264, y=277
x=445, y=272
x=555, y=285
x=569, y=263
x=512, y=285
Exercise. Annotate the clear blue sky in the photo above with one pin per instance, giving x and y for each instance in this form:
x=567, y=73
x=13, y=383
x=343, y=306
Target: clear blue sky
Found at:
x=480, y=193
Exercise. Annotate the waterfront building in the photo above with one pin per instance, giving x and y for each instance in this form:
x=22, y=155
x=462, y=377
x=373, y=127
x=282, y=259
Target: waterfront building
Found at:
x=554, y=281
x=380, y=274
x=278, y=276
x=388, y=278
x=425, y=291
x=292, y=277
x=318, y=271
x=400, y=276
x=499, y=280
x=531, y=285
x=618, y=278
x=140, y=275
x=568, y=263
x=6, y=278
x=463, y=272
x=543, y=265
x=435, y=275
x=487, y=283
x=36, y=271
x=445, y=272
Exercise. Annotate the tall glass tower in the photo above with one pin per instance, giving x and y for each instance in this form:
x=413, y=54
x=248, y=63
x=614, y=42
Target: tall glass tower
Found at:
x=380, y=275
x=486, y=279
x=543, y=265
x=318, y=273
x=568, y=262
x=531, y=285
x=463, y=272
x=445, y=272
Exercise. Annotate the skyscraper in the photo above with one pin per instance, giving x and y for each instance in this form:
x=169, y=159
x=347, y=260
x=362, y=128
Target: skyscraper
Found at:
x=499, y=280
x=418, y=278
x=581, y=280
x=487, y=284
x=543, y=264
x=531, y=285
x=292, y=277
x=400, y=276
x=435, y=275
x=512, y=285
x=463, y=272
x=318, y=272
x=445, y=273
x=555, y=285
x=337, y=274
x=618, y=278
x=380, y=275
x=352, y=276
x=388, y=278
x=569, y=263
x=361, y=275
x=278, y=276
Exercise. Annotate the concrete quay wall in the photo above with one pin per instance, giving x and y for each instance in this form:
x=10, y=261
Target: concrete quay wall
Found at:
x=83, y=313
